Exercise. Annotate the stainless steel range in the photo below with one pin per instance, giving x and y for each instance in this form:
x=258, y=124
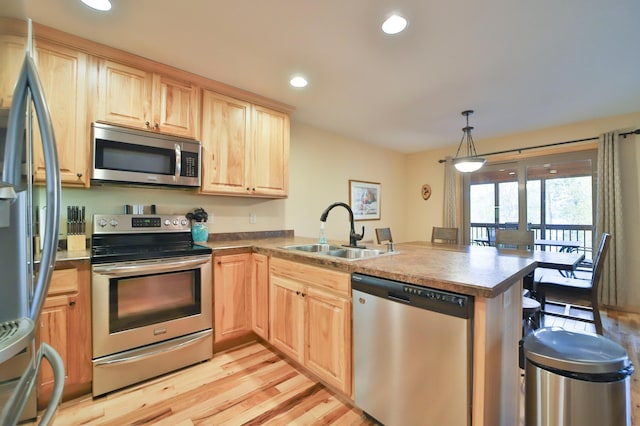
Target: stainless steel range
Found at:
x=151, y=298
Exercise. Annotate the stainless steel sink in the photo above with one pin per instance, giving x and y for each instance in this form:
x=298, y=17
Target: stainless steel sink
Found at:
x=347, y=253
x=313, y=248
x=356, y=253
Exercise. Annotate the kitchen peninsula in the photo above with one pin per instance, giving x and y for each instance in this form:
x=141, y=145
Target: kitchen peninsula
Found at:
x=493, y=277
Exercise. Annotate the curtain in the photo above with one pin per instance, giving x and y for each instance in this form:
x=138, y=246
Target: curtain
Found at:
x=450, y=213
x=609, y=217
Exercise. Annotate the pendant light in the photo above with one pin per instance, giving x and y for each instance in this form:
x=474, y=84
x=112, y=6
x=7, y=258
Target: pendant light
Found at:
x=471, y=162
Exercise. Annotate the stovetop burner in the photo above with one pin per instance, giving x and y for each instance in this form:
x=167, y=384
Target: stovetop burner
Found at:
x=140, y=237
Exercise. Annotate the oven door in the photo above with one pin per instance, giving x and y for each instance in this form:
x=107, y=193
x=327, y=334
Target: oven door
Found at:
x=137, y=303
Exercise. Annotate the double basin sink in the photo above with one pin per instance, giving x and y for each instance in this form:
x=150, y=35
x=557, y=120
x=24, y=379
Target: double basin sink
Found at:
x=347, y=253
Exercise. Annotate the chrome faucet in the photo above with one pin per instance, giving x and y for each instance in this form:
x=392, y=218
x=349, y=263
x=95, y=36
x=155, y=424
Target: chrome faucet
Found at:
x=353, y=237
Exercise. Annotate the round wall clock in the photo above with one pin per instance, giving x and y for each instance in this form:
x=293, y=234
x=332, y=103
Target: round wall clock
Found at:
x=426, y=191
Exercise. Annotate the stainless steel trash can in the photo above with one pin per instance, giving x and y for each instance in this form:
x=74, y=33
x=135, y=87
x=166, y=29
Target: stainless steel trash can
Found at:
x=576, y=379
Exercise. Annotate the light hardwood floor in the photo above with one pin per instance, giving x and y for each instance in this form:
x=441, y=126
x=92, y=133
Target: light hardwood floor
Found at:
x=252, y=385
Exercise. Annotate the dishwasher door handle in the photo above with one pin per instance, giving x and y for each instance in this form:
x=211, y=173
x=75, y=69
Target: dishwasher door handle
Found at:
x=398, y=298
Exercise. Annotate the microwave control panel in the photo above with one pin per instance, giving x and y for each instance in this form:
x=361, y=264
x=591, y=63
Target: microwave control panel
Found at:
x=189, y=164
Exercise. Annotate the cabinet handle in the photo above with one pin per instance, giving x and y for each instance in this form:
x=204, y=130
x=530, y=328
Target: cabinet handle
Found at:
x=72, y=303
x=303, y=295
x=155, y=126
x=219, y=262
x=79, y=174
x=298, y=293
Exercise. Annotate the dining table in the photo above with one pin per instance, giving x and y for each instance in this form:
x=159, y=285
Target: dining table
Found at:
x=562, y=245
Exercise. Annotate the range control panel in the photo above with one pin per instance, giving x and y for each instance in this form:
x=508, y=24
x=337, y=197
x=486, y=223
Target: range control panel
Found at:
x=127, y=223
x=440, y=296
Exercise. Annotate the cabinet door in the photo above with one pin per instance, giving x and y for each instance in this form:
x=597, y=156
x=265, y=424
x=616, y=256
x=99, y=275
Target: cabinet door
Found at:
x=12, y=48
x=260, y=295
x=175, y=106
x=65, y=325
x=54, y=330
x=269, y=173
x=286, y=316
x=328, y=336
x=63, y=73
x=231, y=281
x=225, y=133
x=124, y=95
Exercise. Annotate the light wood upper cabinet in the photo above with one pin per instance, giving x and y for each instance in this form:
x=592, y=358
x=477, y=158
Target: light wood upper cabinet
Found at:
x=145, y=100
x=12, y=52
x=231, y=300
x=63, y=73
x=310, y=319
x=65, y=325
x=260, y=295
x=225, y=140
x=245, y=148
x=269, y=173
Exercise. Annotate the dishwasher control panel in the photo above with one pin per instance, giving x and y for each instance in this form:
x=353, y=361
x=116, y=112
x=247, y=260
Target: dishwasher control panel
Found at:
x=445, y=302
x=436, y=295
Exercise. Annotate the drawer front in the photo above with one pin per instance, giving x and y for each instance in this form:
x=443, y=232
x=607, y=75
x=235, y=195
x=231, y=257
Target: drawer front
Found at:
x=63, y=281
x=338, y=282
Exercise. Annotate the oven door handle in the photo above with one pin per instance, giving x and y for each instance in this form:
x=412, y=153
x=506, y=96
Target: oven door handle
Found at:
x=150, y=353
x=142, y=268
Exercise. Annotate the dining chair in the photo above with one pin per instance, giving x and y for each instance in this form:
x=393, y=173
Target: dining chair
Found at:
x=575, y=291
x=444, y=235
x=513, y=238
x=383, y=235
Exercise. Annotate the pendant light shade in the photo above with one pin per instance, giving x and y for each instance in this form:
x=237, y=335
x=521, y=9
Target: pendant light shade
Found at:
x=471, y=162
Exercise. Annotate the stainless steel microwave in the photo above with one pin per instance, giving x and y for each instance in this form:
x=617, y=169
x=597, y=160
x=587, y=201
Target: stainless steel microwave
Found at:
x=141, y=157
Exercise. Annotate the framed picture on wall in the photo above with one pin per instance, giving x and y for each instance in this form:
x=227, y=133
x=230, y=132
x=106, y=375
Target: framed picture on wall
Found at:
x=364, y=199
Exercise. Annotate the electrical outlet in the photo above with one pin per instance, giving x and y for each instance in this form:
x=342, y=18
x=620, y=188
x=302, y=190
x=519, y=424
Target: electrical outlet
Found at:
x=252, y=218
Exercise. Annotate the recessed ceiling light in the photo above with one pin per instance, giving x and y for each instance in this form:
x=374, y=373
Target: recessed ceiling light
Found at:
x=102, y=5
x=553, y=171
x=394, y=24
x=298, y=81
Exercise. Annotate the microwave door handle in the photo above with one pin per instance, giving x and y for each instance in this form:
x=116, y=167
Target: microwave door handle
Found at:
x=116, y=271
x=178, y=162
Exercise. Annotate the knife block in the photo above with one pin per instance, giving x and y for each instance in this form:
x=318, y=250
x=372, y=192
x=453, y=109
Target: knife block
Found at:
x=76, y=242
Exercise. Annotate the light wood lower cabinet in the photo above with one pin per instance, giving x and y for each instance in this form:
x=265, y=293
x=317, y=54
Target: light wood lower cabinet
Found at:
x=260, y=295
x=65, y=325
x=231, y=298
x=310, y=319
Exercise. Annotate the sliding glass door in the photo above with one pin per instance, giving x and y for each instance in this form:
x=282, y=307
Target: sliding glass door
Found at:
x=551, y=195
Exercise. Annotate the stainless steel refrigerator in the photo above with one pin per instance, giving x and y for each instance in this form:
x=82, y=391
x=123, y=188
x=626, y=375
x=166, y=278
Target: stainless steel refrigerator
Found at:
x=24, y=279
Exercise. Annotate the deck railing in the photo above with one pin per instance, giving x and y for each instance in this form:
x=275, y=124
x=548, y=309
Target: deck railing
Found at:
x=480, y=232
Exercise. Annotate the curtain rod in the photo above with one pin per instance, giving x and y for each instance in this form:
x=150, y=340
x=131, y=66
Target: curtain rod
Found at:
x=519, y=150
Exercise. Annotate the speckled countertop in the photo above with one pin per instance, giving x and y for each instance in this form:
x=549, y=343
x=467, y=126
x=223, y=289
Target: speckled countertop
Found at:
x=473, y=270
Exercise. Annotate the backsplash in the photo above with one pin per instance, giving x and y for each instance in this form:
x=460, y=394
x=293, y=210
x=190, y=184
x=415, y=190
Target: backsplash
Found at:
x=226, y=214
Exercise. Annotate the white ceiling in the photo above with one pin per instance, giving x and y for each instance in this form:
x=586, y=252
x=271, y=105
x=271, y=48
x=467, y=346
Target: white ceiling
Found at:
x=521, y=65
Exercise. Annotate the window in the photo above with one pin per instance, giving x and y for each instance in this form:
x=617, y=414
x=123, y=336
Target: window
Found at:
x=551, y=195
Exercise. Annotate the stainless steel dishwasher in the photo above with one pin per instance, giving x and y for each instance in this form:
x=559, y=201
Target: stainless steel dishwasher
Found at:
x=411, y=353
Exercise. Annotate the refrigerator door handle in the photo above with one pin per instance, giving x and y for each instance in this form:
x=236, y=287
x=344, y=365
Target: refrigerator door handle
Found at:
x=12, y=410
x=29, y=79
